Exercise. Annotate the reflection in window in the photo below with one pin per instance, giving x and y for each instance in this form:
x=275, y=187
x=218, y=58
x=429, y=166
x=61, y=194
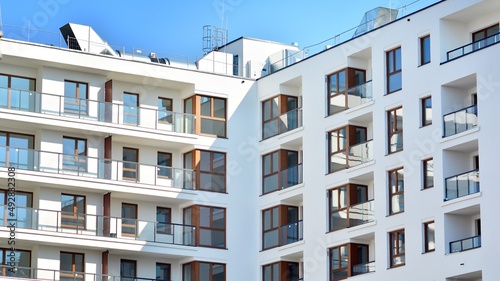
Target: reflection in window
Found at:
x=16, y=150
x=425, y=49
x=72, y=266
x=396, y=191
x=211, y=168
x=165, y=114
x=210, y=225
x=397, y=248
x=73, y=211
x=74, y=154
x=395, y=129
x=212, y=114
x=22, y=260
x=76, y=98
x=17, y=92
x=131, y=109
x=394, y=72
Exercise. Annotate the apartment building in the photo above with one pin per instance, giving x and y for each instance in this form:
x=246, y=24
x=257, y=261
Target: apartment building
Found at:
x=360, y=162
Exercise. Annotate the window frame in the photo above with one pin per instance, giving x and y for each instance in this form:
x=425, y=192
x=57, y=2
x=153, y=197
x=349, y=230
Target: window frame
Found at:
x=196, y=110
x=78, y=97
x=283, y=164
x=76, y=154
x=196, y=166
x=129, y=225
x=195, y=217
x=164, y=171
x=130, y=164
x=164, y=227
x=194, y=268
x=349, y=141
x=9, y=89
x=283, y=271
x=128, y=278
x=393, y=176
x=393, y=130
x=423, y=112
x=73, y=273
x=283, y=220
x=133, y=113
x=389, y=74
x=395, y=249
x=340, y=268
x=427, y=241
x=75, y=215
x=167, y=115
x=5, y=272
x=282, y=109
x=484, y=32
x=425, y=47
x=350, y=82
x=425, y=175
x=349, y=196
x=164, y=265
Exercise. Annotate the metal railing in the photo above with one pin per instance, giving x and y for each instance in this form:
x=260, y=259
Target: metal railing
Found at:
x=98, y=225
x=359, y=94
x=98, y=168
x=361, y=213
x=107, y=112
x=472, y=47
x=462, y=185
x=465, y=244
x=284, y=123
x=363, y=268
x=63, y=275
x=360, y=153
x=460, y=121
x=291, y=176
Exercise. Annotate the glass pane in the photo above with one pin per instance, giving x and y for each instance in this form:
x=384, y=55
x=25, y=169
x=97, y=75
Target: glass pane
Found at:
x=426, y=49
x=275, y=213
x=130, y=109
x=219, y=220
x=211, y=237
x=205, y=106
x=271, y=128
x=162, y=271
x=397, y=203
x=219, y=162
x=212, y=182
x=205, y=161
x=334, y=199
x=333, y=84
x=395, y=82
x=129, y=211
x=66, y=262
x=79, y=262
x=267, y=219
x=219, y=108
x=204, y=271
x=275, y=107
x=342, y=81
x=164, y=104
x=397, y=58
x=213, y=127
x=205, y=217
x=337, y=104
x=271, y=239
x=429, y=232
x=335, y=259
x=271, y=183
x=218, y=272
x=266, y=110
x=188, y=106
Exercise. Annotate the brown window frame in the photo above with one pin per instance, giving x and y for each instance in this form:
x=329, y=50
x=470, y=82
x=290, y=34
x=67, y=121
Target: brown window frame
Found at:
x=72, y=274
x=283, y=220
x=136, y=114
x=131, y=164
x=423, y=113
x=283, y=272
x=78, y=97
x=196, y=110
x=425, y=175
x=167, y=114
x=76, y=215
x=393, y=53
x=428, y=249
x=196, y=166
x=395, y=248
x=484, y=32
x=164, y=227
x=75, y=157
x=393, y=176
x=5, y=265
x=425, y=47
x=196, y=221
x=349, y=82
x=10, y=89
x=128, y=278
x=393, y=130
x=164, y=171
x=352, y=256
x=282, y=109
x=351, y=196
x=195, y=270
x=282, y=158
x=350, y=139
x=128, y=225
x=169, y=266
x=7, y=146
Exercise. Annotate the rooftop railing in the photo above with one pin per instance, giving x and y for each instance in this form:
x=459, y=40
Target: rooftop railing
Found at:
x=460, y=121
x=97, y=168
x=363, y=268
x=465, y=244
x=107, y=112
x=473, y=47
x=98, y=225
x=462, y=185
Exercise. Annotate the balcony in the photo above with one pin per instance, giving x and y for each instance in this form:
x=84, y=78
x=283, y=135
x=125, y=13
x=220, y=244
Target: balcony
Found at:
x=286, y=122
x=462, y=185
x=460, y=121
x=291, y=176
x=360, y=153
x=283, y=235
x=465, y=244
x=100, y=226
x=363, y=268
x=359, y=94
x=472, y=47
x=361, y=213
x=97, y=168
x=105, y=112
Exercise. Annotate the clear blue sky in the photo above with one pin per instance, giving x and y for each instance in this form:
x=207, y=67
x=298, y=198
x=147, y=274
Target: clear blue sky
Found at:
x=177, y=26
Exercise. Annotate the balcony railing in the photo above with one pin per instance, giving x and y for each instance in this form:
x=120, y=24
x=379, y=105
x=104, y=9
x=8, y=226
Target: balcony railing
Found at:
x=465, y=244
x=101, y=226
x=360, y=153
x=462, y=185
x=361, y=213
x=62, y=275
x=460, y=121
x=359, y=94
x=106, y=112
x=472, y=47
x=98, y=168
x=284, y=123
x=291, y=176
x=291, y=233
x=363, y=268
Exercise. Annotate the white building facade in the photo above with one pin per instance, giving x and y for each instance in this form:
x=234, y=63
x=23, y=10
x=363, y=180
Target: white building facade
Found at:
x=360, y=162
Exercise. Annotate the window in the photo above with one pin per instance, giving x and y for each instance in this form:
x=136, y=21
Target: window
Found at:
x=279, y=115
x=163, y=271
x=16, y=150
x=211, y=168
x=396, y=191
x=163, y=220
x=23, y=263
x=426, y=105
x=129, y=219
x=429, y=237
x=24, y=214
x=75, y=98
x=280, y=170
x=73, y=211
x=395, y=129
x=280, y=226
x=15, y=92
x=339, y=263
x=341, y=199
x=340, y=141
x=345, y=259
x=210, y=225
x=281, y=271
x=72, y=266
x=425, y=49
x=130, y=165
x=203, y=271
x=484, y=33
x=341, y=93
x=428, y=176
x=397, y=248
x=74, y=154
x=128, y=270
x=235, y=65
x=131, y=109
x=394, y=72
x=165, y=109
x=210, y=111
x=164, y=164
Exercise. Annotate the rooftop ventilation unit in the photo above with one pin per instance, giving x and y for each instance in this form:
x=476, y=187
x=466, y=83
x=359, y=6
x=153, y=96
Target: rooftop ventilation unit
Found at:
x=375, y=18
x=84, y=38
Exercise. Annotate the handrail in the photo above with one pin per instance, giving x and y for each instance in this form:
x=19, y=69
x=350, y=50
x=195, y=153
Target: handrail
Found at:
x=291, y=176
x=99, y=168
x=462, y=185
x=291, y=233
x=363, y=268
x=474, y=241
x=477, y=43
x=459, y=110
x=460, y=121
x=461, y=174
